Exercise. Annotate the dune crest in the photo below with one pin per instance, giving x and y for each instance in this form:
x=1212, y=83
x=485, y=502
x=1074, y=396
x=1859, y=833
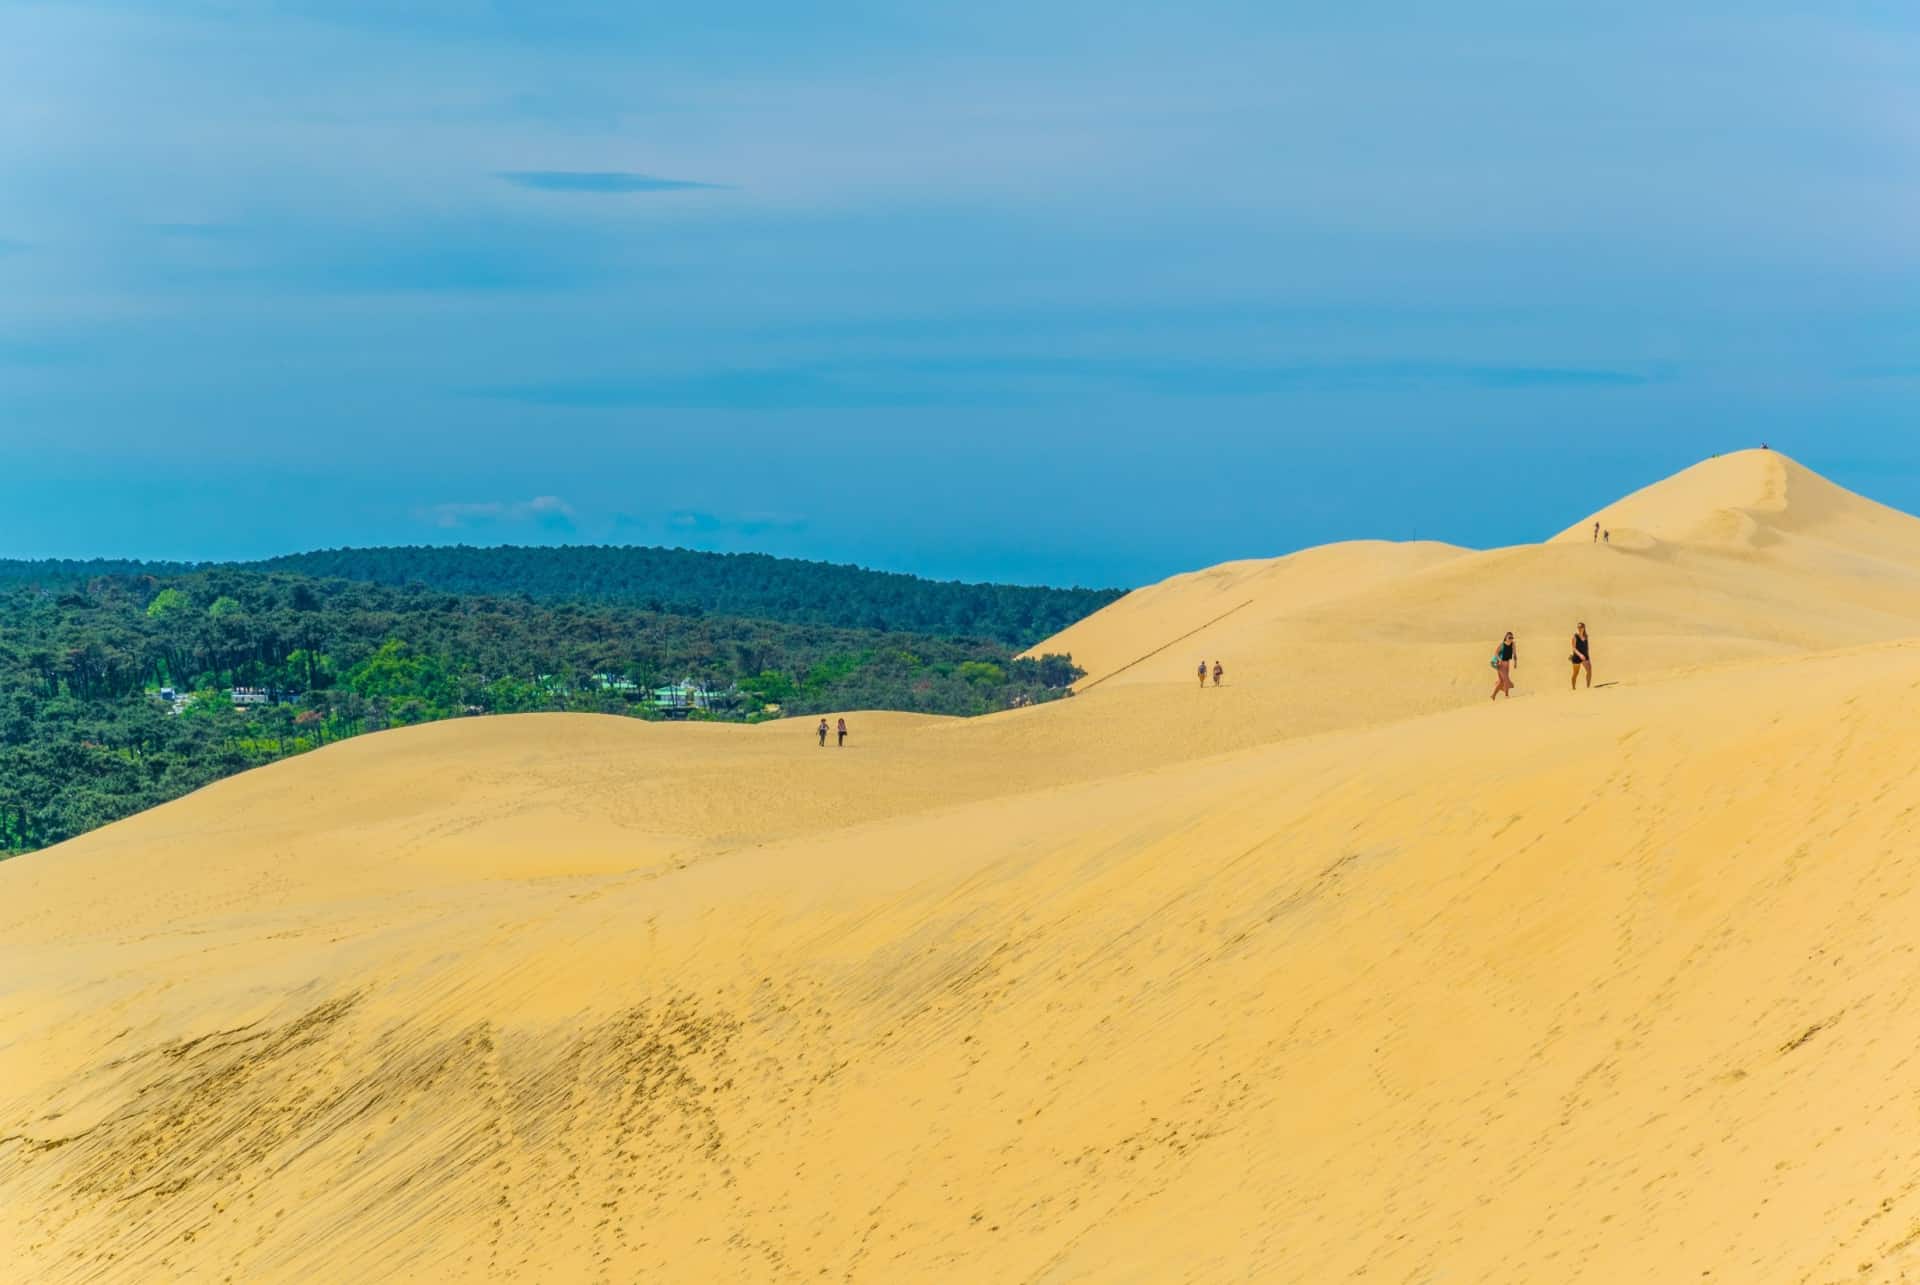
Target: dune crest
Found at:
x=1746, y=500
x=1336, y=971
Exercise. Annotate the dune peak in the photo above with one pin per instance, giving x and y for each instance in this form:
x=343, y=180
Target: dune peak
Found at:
x=1741, y=500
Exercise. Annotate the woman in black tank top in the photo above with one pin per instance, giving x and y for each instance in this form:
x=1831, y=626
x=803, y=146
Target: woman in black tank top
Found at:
x=1582, y=656
x=1505, y=657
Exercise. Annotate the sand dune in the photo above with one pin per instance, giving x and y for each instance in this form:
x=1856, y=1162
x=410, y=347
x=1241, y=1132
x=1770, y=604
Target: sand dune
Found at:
x=1337, y=972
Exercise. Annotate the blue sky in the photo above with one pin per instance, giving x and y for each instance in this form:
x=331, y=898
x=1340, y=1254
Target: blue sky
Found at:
x=1066, y=292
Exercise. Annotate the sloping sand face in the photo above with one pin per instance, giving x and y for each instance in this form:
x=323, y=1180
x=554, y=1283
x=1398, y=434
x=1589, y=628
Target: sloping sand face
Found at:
x=1599, y=986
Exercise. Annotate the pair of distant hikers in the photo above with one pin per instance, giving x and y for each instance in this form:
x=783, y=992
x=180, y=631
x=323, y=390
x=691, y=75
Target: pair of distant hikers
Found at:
x=822, y=729
x=1219, y=672
x=1507, y=655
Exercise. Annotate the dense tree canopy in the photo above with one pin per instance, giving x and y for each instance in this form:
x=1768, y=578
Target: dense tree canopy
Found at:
x=87, y=734
x=672, y=581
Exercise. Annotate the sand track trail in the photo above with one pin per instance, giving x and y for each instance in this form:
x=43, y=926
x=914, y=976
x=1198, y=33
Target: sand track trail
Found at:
x=1336, y=972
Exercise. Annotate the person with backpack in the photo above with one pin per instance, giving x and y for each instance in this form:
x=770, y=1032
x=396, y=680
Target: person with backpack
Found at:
x=1581, y=656
x=1505, y=657
x=843, y=734
x=822, y=729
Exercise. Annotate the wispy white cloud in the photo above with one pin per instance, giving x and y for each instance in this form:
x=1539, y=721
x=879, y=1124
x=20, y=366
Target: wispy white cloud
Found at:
x=549, y=512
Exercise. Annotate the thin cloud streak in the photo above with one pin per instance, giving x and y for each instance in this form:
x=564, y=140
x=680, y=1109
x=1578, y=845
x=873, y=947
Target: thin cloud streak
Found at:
x=692, y=521
x=602, y=182
x=729, y=390
x=549, y=512
x=977, y=381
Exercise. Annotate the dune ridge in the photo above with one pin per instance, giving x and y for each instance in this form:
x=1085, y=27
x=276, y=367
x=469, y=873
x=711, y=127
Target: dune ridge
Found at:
x=1337, y=971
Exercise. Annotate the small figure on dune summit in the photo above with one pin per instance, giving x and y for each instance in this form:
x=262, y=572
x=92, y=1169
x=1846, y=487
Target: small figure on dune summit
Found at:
x=1218, y=673
x=842, y=729
x=1505, y=657
x=822, y=729
x=1203, y=673
x=1582, y=656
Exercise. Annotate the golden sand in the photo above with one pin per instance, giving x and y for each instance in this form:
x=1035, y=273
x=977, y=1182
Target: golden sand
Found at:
x=1337, y=972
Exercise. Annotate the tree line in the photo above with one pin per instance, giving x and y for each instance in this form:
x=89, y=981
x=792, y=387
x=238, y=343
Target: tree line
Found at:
x=86, y=736
x=680, y=582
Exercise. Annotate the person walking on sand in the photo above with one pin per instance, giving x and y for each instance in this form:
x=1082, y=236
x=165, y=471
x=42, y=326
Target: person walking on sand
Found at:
x=1218, y=673
x=1596, y=533
x=1203, y=673
x=843, y=733
x=1505, y=657
x=822, y=729
x=1582, y=656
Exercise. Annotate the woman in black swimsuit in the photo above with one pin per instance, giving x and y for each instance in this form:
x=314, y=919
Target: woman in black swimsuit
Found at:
x=1504, y=659
x=1582, y=656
